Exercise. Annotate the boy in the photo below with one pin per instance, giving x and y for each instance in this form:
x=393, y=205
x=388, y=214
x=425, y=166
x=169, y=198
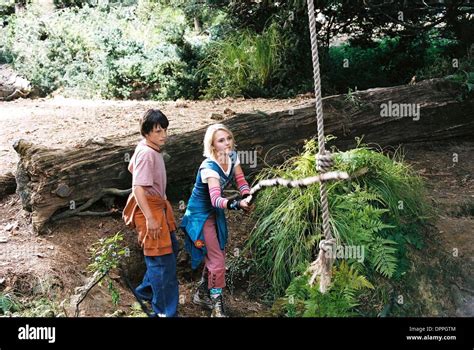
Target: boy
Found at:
x=151, y=214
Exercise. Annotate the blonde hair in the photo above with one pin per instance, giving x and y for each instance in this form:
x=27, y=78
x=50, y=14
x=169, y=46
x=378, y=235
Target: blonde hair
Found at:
x=209, y=150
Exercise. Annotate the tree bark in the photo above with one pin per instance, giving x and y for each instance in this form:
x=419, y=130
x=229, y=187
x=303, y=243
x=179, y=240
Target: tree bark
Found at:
x=51, y=181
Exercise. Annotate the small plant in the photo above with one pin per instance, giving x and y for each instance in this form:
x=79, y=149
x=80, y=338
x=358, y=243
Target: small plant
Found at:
x=353, y=99
x=8, y=303
x=238, y=269
x=303, y=300
x=42, y=307
x=106, y=255
x=466, y=79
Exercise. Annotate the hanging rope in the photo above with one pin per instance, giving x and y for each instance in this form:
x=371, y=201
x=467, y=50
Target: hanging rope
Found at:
x=323, y=264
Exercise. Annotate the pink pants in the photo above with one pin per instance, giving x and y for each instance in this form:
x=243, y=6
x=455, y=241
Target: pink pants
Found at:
x=214, y=262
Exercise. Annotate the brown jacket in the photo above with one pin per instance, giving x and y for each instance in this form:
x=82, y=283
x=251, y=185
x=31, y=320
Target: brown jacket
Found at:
x=163, y=214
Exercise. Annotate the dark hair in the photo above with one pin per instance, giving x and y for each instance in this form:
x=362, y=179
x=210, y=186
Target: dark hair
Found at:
x=152, y=118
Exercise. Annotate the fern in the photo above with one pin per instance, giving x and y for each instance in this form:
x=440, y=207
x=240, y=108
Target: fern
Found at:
x=349, y=278
x=383, y=256
x=339, y=301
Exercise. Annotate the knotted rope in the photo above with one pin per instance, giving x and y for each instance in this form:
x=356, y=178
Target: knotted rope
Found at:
x=322, y=266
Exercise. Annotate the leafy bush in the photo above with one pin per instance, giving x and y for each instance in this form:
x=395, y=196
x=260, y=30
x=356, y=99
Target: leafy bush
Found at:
x=147, y=49
x=113, y=53
x=374, y=211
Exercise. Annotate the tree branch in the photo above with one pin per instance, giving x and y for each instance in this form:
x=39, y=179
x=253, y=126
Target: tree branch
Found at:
x=80, y=211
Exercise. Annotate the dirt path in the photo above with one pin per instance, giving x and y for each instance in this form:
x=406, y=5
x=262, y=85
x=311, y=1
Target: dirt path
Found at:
x=35, y=266
x=448, y=169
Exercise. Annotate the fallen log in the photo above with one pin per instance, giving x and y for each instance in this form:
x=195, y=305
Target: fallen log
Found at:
x=51, y=181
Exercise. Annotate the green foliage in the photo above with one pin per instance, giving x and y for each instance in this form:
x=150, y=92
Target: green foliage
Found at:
x=374, y=211
x=238, y=270
x=12, y=305
x=106, y=255
x=466, y=79
x=387, y=62
x=158, y=49
x=383, y=257
x=244, y=64
x=8, y=303
x=42, y=307
x=303, y=300
x=113, y=53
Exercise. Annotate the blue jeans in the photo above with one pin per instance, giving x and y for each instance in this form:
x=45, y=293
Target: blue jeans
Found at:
x=160, y=284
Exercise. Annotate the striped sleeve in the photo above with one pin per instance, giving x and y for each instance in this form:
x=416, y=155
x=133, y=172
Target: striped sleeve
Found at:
x=217, y=200
x=242, y=184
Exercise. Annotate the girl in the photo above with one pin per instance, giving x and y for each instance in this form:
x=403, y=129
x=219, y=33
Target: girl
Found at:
x=204, y=221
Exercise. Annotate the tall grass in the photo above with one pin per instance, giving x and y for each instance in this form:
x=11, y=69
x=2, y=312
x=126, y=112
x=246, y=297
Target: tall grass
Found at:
x=243, y=64
x=369, y=211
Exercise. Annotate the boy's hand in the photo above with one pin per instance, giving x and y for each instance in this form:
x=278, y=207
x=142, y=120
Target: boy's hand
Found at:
x=152, y=227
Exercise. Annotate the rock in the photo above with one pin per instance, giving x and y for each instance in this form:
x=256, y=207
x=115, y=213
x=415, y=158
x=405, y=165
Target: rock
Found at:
x=229, y=111
x=180, y=104
x=3, y=239
x=118, y=313
x=47, y=313
x=12, y=85
x=114, y=276
x=10, y=226
x=216, y=116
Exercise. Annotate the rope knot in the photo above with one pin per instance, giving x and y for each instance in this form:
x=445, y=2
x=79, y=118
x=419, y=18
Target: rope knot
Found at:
x=322, y=266
x=327, y=245
x=324, y=162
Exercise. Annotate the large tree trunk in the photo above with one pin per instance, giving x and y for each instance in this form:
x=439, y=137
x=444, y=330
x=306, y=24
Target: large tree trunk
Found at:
x=50, y=181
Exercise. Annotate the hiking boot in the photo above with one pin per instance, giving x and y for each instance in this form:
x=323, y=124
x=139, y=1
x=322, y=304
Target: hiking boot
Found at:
x=201, y=297
x=218, y=307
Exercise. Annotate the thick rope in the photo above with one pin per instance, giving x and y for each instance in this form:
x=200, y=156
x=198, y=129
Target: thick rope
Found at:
x=323, y=264
x=319, y=115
